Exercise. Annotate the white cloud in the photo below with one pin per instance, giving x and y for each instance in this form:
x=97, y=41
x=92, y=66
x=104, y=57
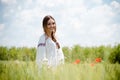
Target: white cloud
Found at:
x=115, y=4
x=29, y=1
x=9, y=1
x=19, y=7
x=116, y=7
x=77, y=24
x=26, y=15
x=97, y=1
x=91, y=27
x=2, y=26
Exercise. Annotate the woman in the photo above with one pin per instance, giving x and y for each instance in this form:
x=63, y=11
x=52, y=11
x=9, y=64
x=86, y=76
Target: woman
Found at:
x=49, y=49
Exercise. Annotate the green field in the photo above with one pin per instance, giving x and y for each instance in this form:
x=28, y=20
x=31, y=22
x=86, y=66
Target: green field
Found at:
x=81, y=63
x=20, y=70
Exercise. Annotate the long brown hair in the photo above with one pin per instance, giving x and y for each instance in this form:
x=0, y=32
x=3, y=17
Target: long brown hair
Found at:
x=45, y=21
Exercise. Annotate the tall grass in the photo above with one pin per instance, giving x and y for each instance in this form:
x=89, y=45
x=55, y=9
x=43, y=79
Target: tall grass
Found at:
x=107, y=53
x=19, y=70
x=92, y=63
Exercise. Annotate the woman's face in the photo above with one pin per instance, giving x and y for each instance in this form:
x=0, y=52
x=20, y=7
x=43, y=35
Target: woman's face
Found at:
x=51, y=26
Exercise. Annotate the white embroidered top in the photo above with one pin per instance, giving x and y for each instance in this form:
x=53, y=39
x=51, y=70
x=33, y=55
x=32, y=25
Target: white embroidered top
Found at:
x=48, y=52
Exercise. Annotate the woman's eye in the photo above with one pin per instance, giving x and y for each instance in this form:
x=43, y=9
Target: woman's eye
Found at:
x=53, y=23
x=48, y=24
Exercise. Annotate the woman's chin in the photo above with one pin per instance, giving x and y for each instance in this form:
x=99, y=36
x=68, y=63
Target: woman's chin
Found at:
x=52, y=31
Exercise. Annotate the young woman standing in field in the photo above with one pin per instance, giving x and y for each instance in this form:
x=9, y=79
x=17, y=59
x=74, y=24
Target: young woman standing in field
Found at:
x=49, y=50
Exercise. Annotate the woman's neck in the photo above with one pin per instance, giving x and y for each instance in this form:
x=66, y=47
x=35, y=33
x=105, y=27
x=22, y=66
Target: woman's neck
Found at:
x=48, y=35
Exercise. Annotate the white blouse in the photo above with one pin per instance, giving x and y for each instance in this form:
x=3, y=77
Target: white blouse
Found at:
x=48, y=52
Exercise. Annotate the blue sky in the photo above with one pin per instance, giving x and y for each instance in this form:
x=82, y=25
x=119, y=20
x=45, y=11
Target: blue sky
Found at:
x=83, y=22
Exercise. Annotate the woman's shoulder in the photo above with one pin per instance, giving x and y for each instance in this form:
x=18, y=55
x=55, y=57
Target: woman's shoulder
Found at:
x=42, y=38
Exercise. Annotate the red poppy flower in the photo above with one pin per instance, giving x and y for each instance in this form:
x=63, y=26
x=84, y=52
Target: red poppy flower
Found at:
x=98, y=60
x=77, y=61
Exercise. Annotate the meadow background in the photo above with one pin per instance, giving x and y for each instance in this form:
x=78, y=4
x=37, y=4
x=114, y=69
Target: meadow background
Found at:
x=94, y=25
x=81, y=63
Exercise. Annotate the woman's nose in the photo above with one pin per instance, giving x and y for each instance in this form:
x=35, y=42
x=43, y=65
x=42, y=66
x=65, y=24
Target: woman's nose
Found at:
x=52, y=25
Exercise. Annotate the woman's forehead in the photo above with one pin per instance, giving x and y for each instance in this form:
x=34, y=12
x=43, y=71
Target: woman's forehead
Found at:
x=51, y=20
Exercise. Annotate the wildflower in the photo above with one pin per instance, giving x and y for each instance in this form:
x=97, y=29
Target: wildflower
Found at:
x=98, y=60
x=77, y=61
